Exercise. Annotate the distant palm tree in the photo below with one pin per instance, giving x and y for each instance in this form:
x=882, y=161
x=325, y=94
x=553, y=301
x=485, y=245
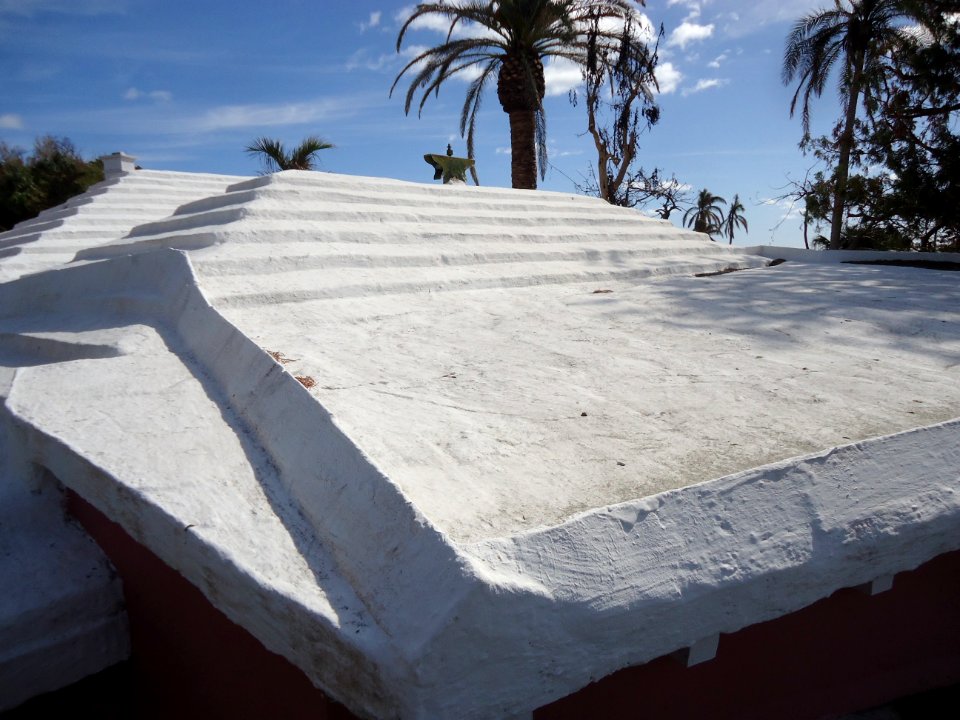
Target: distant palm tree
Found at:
x=706, y=216
x=856, y=34
x=509, y=39
x=275, y=158
x=735, y=219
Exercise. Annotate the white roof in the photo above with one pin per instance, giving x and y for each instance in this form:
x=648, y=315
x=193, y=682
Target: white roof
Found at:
x=520, y=403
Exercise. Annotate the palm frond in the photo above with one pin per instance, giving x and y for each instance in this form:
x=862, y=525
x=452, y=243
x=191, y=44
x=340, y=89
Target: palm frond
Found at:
x=270, y=152
x=302, y=156
x=275, y=158
x=520, y=29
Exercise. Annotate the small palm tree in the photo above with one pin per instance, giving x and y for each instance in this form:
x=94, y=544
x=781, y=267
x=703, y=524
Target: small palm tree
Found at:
x=706, y=216
x=275, y=158
x=854, y=34
x=735, y=219
x=513, y=38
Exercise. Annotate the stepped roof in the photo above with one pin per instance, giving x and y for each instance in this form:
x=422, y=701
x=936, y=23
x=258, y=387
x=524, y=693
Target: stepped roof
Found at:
x=483, y=445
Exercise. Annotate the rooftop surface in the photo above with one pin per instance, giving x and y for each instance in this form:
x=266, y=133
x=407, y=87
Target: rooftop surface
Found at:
x=392, y=412
x=498, y=412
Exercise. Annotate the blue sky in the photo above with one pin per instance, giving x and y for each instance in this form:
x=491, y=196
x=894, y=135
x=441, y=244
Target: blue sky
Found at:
x=186, y=85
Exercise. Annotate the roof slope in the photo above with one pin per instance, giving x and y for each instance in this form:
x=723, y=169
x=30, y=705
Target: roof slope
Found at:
x=535, y=447
x=107, y=211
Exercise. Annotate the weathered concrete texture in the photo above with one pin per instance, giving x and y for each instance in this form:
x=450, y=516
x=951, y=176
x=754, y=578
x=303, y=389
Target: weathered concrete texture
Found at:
x=61, y=609
x=107, y=211
x=843, y=654
x=534, y=449
x=836, y=257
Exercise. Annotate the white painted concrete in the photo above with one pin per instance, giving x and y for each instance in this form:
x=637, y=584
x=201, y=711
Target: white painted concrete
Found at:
x=61, y=607
x=879, y=585
x=703, y=650
x=118, y=162
x=537, y=449
x=844, y=256
x=106, y=212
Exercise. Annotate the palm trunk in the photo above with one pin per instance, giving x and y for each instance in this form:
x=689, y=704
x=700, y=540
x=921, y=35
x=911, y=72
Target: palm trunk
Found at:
x=845, y=145
x=523, y=151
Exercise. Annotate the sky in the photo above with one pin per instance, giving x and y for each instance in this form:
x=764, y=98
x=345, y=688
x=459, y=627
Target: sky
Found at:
x=188, y=85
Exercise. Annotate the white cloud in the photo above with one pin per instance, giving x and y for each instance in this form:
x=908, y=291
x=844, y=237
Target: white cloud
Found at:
x=705, y=84
x=363, y=59
x=440, y=24
x=561, y=76
x=642, y=27
x=411, y=51
x=436, y=23
x=748, y=16
x=687, y=32
x=668, y=77
x=162, y=96
x=715, y=63
x=789, y=208
x=692, y=6
x=503, y=151
x=263, y=115
x=372, y=21
x=469, y=74
x=10, y=121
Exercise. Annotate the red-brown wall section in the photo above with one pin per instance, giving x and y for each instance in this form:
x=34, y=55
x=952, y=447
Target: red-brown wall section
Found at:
x=188, y=659
x=848, y=652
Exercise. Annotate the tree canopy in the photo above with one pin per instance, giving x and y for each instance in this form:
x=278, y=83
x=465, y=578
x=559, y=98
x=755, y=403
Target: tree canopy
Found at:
x=890, y=175
x=706, y=215
x=618, y=92
x=46, y=177
x=275, y=156
x=851, y=38
x=509, y=40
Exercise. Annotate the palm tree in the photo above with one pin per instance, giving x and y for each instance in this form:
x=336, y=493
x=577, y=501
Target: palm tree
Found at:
x=509, y=39
x=706, y=216
x=275, y=158
x=855, y=34
x=735, y=219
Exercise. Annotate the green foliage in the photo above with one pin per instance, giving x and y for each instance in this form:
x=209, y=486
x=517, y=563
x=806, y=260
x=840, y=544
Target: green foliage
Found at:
x=706, y=216
x=618, y=84
x=644, y=189
x=52, y=174
x=275, y=157
x=904, y=191
x=735, y=219
x=853, y=38
x=514, y=38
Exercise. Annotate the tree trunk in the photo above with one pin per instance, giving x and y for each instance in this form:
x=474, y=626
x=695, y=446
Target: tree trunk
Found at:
x=603, y=156
x=520, y=88
x=523, y=152
x=846, y=145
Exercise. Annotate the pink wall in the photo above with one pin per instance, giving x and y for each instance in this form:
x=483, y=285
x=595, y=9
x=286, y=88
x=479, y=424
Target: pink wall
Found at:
x=848, y=652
